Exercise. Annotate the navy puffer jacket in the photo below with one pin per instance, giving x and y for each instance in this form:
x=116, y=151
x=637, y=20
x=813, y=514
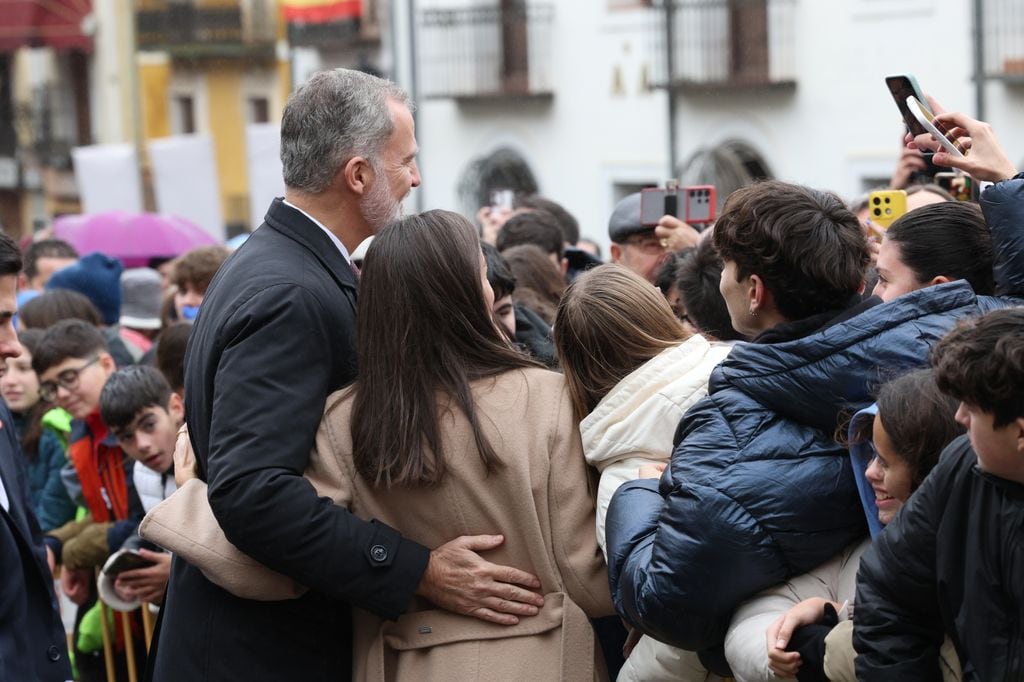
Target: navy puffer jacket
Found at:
x=758, y=489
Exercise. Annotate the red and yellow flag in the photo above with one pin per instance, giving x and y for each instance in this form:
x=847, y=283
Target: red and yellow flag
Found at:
x=321, y=11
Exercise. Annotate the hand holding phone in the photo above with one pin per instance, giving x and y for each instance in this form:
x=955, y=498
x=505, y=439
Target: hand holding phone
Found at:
x=940, y=132
x=987, y=160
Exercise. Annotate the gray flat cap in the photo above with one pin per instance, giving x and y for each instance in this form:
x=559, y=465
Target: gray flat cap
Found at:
x=625, y=220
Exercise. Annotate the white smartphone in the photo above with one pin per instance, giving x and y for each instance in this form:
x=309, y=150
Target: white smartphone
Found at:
x=925, y=118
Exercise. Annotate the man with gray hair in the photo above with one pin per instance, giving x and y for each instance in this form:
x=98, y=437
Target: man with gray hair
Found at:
x=275, y=336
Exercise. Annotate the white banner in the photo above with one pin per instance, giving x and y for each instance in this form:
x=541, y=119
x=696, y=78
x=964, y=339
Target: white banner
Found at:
x=108, y=178
x=185, y=180
x=263, y=163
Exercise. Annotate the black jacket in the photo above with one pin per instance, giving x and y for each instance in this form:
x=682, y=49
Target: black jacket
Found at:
x=275, y=336
x=949, y=563
x=32, y=641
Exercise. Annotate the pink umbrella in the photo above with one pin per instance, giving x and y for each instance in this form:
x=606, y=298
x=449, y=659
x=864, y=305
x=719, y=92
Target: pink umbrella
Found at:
x=133, y=238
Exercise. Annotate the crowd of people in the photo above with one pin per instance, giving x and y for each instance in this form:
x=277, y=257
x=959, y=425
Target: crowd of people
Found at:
x=787, y=445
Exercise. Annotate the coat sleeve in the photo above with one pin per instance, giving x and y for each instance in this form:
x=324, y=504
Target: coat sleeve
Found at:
x=1003, y=206
x=269, y=391
x=683, y=554
x=55, y=507
x=571, y=505
x=897, y=626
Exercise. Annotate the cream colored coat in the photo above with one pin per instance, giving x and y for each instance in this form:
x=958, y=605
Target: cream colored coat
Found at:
x=541, y=500
x=634, y=425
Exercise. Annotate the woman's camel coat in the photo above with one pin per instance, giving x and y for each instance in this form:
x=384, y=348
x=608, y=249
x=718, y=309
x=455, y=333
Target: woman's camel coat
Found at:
x=541, y=499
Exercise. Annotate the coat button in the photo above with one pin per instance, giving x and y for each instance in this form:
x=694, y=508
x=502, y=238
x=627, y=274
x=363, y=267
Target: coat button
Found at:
x=379, y=553
x=53, y=653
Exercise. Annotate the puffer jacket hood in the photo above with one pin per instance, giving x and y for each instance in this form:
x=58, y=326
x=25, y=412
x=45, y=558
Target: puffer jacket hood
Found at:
x=861, y=454
x=639, y=415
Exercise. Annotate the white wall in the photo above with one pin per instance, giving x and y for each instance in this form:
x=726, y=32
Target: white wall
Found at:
x=581, y=142
x=839, y=127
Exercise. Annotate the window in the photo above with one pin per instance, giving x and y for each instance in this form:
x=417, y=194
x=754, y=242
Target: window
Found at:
x=183, y=115
x=259, y=110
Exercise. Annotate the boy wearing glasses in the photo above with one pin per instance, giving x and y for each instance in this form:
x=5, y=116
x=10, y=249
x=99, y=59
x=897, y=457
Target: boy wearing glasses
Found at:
x=73, y=365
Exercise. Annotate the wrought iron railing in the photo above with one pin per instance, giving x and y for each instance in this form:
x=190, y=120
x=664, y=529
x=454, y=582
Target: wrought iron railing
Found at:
x=1002, y=38
x=186, y=26
x=486, y=51
x=723, y=43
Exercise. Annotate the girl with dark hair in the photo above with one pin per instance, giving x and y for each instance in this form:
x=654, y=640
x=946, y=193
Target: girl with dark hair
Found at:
x=43, y=430
x=934, y=244
x=894, y=444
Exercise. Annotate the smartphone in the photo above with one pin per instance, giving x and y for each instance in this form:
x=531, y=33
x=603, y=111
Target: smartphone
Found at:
x=694, y=205
x=901, y=87
x=502, y=199
x=699, y=204
x=656, y=202
x=886, y=205
x=128, y=561
x=927, y=120
x=960, y=185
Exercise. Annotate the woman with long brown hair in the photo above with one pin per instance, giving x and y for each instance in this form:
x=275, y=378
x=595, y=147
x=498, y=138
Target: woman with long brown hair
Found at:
x=449, y=431
x=632, y=371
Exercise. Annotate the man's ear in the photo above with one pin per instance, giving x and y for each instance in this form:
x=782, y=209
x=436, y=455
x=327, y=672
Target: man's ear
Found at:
x=357, y=175
x=940, y=279
x=615, y=252
x=1020, y=435
x=564, y=266
x=22, y=281
x=757, y=294
x=176, y=408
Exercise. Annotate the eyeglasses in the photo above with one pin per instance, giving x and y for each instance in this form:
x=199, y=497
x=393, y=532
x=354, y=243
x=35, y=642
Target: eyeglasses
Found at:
x=67, y=379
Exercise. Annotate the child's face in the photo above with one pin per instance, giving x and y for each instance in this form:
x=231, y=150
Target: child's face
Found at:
x=187, y=300
x=76, y=383
x=888, y=474
x=19, y=384
x=1000, y=450
x=151, y=436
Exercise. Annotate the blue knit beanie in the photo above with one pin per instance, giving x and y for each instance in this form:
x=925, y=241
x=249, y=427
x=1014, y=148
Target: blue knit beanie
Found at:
x=97, y=277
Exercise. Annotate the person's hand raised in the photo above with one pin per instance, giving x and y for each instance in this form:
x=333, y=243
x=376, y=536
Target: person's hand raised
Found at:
x=675, y=235
x=985, y=159
x=457, y=579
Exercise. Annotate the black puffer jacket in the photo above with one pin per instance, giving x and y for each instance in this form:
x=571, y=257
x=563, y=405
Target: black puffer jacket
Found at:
x=951, y=562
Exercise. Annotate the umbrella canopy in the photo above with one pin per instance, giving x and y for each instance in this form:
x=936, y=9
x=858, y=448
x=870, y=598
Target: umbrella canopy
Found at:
x=133, y=238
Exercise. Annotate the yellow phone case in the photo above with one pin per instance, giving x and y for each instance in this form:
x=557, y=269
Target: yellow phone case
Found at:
x=885, y=206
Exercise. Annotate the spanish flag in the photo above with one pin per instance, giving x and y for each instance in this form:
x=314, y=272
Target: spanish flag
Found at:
x=321, y=11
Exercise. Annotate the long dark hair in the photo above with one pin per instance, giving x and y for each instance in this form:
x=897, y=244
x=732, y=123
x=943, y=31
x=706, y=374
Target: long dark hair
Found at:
x=424, y=334
x=32, y=428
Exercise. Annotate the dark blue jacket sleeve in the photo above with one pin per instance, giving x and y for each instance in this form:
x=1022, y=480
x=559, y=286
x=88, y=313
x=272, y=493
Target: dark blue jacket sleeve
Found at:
x=1003, y=206
x=55, y=508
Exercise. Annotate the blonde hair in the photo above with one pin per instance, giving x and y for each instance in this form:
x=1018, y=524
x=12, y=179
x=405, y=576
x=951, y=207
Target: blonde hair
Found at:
x=609, y=323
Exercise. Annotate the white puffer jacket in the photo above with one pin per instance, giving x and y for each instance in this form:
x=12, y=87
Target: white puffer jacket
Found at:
x=152, y=487
x=634, y=425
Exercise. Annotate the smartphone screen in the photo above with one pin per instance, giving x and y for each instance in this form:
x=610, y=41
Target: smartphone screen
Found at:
x=902, y=87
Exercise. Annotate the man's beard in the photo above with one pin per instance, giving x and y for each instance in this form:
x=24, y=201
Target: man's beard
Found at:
x=378, y=207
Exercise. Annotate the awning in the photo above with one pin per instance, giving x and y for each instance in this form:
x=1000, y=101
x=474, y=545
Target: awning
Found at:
x=320, y=11
x=44, y=23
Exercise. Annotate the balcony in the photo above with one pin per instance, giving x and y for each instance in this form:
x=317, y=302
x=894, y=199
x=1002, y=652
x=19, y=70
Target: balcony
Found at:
x=723, y=45
x=493, y=52
x=188, y=31
x=1002, y=39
